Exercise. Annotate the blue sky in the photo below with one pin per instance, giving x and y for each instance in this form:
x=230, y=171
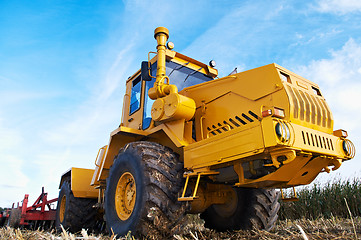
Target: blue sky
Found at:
x=64, y=65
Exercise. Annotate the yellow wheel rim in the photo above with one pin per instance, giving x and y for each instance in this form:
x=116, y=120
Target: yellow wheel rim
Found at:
x=62, y=208
x=125, y=195
x=229, y=207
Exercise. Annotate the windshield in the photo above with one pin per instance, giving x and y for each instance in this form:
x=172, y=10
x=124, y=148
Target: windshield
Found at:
x=181, y=75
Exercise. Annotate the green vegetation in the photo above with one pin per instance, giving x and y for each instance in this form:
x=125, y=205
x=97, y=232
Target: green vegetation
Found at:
x=326, y=200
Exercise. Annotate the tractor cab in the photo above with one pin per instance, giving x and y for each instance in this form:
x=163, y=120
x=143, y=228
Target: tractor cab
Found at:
x=182, y=71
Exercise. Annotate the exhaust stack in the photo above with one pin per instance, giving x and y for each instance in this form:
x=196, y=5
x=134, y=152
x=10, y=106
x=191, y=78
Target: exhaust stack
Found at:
x=161, y=34
x=160, y=88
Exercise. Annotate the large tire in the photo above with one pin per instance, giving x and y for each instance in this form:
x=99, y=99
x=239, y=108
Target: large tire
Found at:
x=250, y=208
x=2, y=221
x=14, y=218
x=74, y=213
x=152, y=177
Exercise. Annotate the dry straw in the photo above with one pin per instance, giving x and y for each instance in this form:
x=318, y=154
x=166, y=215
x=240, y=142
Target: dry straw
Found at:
x=336, y=228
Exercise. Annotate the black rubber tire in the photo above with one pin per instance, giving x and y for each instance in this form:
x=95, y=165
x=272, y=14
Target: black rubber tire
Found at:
x=2, y=221
x=256, y=208
x=79, y=212
x=14, y=218
x=158, y=176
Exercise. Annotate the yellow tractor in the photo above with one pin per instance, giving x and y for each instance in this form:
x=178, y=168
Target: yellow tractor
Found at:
x=190, y=142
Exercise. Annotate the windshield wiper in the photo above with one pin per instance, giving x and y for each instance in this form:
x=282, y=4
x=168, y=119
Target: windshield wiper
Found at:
x=192, y=74
x=185, y=64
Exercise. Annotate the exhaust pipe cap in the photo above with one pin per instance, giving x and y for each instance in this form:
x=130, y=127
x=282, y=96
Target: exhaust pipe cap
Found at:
x=159, y=30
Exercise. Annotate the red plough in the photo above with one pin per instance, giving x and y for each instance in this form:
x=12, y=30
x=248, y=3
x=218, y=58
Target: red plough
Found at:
x=41, y=214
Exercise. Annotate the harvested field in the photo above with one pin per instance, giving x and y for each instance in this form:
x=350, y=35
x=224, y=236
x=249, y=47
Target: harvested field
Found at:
x=328, y=211
x=334, y=228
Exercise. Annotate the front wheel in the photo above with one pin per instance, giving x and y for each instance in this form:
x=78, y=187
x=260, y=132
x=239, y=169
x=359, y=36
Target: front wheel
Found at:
x=142, y=189
x=248, y=208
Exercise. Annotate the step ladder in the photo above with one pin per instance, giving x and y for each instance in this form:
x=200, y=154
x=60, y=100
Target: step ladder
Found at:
x=290, y=199
x=198, y=175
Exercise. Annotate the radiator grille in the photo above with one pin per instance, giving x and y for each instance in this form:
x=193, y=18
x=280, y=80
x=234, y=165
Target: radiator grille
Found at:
x=309, y=108
x=318, y=141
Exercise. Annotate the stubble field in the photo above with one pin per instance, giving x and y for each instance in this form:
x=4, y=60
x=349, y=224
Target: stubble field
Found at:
x=328, y=211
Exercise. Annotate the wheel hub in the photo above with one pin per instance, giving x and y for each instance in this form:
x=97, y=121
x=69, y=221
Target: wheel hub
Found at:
x=62, y=208
x=125, y=196
x=229, y=208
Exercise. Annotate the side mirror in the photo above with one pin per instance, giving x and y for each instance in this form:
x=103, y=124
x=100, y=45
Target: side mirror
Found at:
x=145, y=71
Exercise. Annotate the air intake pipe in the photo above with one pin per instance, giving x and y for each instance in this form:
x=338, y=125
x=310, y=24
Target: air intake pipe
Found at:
x=169, y=105
x=161, y=88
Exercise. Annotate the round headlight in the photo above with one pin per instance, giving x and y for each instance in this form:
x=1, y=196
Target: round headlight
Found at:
x=348, y=148
x=345, y=147
x=282, y=132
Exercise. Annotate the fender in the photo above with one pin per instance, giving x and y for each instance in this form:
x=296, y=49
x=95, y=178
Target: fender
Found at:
x=123, y=135
x=79, y=179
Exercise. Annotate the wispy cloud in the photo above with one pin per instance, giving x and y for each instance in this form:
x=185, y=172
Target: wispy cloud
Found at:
x=116, y=74
x=339, y=6
x=11, y=175
x=338, y=75
x=319, y=36
x=241, y=37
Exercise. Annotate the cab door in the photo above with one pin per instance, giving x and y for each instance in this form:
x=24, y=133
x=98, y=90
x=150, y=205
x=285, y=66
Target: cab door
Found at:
x=133, y=100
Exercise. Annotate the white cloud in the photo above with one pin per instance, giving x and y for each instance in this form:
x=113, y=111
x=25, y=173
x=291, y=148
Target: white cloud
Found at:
x=9, y=137
x=12, y=178
x=339, y=6
x=115, y=75
x=74, y=140
x=315, y=37
x=242, y=38
x=339, y=75
x=35, y=152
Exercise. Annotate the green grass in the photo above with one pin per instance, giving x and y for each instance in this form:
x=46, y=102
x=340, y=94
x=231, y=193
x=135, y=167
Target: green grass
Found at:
x=326, y=200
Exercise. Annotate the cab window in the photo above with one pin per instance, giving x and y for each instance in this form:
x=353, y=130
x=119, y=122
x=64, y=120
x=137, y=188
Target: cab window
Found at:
x=147, y=114
x=179, y=75
x=135, y=95
x=182, y=76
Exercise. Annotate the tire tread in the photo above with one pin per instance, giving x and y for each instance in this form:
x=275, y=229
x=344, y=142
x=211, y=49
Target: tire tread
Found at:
x=258, y=208
x=80, y=214
x=163, y=174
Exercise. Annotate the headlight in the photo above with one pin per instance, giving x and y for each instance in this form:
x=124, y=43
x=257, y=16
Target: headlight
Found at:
x=282, y=132
x=348, y=148
x=344, y=147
